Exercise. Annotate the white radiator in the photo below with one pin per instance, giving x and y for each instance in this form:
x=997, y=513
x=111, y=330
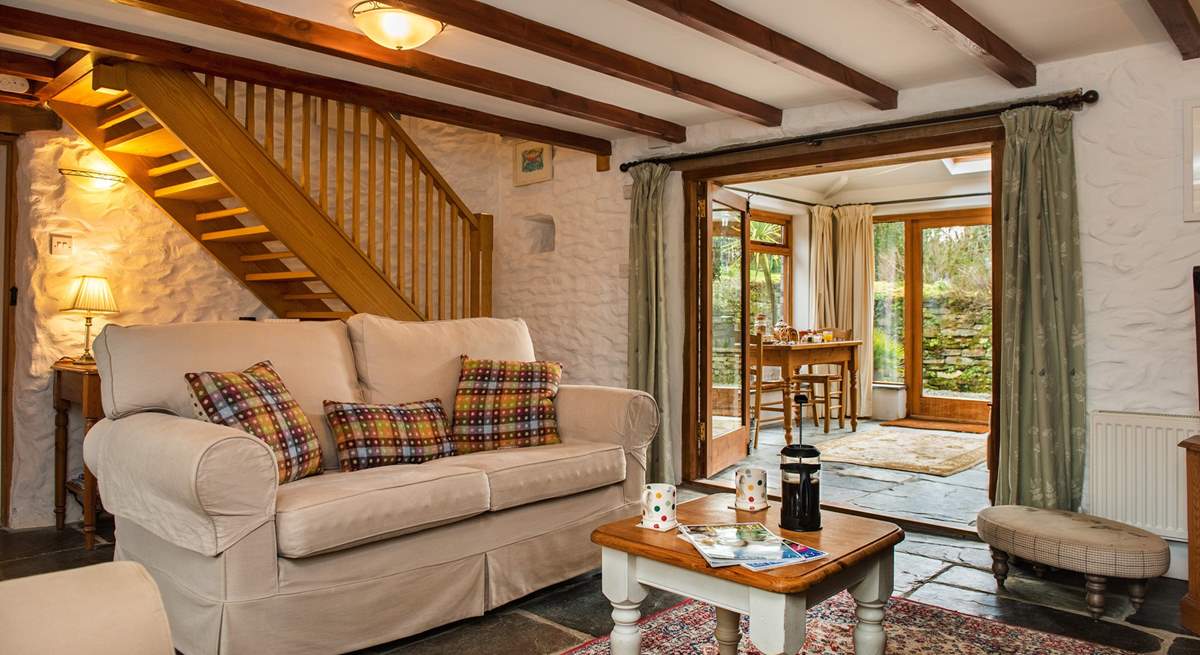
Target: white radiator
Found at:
x=1136, y=470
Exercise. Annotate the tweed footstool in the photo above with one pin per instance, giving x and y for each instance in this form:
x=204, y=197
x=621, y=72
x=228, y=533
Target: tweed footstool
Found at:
x=1098, y=548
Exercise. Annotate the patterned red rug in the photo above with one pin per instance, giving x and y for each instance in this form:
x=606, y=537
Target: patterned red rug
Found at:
x=912, y=629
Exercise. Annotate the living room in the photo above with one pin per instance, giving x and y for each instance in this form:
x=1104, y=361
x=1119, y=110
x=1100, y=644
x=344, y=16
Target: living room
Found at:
x=528, y=185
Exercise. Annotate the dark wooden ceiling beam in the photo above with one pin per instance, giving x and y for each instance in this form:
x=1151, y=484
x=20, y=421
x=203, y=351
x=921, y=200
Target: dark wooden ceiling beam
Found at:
x=32, y=68
x=522, y=32
x=743, y=33
x=264, y=23
x=975, y=38
x=112, y=42
x=1180, y=21
x=19, y=99
x=18, y=119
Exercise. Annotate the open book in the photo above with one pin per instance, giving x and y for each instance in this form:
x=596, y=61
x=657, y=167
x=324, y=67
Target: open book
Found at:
x=750, y=545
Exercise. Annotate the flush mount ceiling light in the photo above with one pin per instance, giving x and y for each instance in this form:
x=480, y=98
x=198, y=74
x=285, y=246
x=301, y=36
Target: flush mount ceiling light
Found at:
x=394, y=28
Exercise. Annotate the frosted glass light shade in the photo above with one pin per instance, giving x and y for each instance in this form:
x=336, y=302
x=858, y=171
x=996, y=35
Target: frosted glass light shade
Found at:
x=91, y=294
x=394, y=28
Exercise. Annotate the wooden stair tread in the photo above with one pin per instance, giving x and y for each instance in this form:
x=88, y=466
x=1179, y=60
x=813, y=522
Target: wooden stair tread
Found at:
x=122, y=116
x=221, y=213
x=205, y=188
x=251, y=233
x=120, y=99
x=186, y=162
x=330, y=315
x=268, y=256
x=281, y=276
x=152, y=141
x=312, y=296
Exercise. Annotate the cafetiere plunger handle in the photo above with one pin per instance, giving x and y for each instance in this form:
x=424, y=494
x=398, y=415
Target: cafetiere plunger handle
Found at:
x=799, y=399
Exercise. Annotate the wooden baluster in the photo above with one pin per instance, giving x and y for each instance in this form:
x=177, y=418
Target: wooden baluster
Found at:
x=249, y=107
x=485, y=264
x=355, y=193
x=401, y=157
x=416, y=224
x=305, y=146
x=454, y=220
x=428, y=245
x=387, y=206
x=230, y=95
x=210, y=83
x=441, y=252
x=339, y=191
x=323, y=162
x=371, y=186
x=473, y=275
x=288, y=117
x=269, y=121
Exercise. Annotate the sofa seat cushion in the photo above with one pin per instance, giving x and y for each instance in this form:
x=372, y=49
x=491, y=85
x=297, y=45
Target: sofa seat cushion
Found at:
x=338, y=510
x=519, y=476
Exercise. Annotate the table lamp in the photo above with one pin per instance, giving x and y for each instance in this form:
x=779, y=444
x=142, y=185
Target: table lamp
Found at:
x=90, y=295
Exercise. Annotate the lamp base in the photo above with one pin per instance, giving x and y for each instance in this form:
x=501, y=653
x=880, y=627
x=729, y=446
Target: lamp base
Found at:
x=85, y=358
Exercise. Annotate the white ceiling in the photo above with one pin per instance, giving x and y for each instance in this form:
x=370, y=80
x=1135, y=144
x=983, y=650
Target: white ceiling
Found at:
x=877, y=37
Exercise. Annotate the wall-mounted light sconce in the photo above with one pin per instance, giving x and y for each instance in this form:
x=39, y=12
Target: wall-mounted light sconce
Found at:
x=92, y=180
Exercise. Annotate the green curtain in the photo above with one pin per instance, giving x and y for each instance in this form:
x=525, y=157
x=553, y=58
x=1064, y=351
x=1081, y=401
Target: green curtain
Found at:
x=648, y=311
x=1042, y=434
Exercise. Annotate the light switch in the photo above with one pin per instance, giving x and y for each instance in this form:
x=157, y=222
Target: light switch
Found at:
x=62, y=244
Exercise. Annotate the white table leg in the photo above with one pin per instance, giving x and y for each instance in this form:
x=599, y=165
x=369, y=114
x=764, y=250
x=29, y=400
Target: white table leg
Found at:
x=777, y=622
x=729, y=633
x=871, y=594
x=619, y=580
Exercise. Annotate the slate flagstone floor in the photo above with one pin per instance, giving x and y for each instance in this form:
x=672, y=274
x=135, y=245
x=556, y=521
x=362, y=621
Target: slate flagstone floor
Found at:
x=942, y=571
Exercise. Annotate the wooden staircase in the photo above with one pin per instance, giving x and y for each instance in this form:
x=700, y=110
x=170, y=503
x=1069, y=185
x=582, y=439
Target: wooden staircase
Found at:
x=316, y=232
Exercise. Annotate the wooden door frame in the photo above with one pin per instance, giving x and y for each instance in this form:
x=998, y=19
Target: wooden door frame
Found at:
x=913, y=280
x=858, y=151
x=7, y=350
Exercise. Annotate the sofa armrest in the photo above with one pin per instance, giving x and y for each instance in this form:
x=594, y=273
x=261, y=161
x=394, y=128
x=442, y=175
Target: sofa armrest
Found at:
x=622, y=416
x=198, y=485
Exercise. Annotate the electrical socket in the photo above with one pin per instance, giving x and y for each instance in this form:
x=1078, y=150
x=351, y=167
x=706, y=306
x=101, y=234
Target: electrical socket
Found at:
x=62, y=244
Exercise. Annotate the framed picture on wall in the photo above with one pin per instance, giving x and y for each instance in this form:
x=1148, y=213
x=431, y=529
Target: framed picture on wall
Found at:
x=533, y=162
x=1191, y=160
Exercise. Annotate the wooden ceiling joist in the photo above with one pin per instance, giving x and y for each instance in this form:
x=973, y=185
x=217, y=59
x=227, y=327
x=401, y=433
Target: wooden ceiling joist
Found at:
x=1180, y=21
x=264, y=23
x=522, y=32
x=117, y=43
x=19, y=99
x=32, y=68
x=743, y=33
x=975, y=38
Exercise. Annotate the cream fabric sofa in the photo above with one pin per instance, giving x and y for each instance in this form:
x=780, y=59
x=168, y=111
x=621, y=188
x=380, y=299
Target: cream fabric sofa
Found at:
x=341, y=561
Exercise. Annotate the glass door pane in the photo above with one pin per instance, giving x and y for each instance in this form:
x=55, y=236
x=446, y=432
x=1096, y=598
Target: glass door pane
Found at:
x=888, y=338
x=956, y=314
x=728, y=366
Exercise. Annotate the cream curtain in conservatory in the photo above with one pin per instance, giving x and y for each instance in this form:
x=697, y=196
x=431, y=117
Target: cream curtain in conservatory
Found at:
x=824, y=313
x=1043, y=421
x=648, y=310
x=855, y=289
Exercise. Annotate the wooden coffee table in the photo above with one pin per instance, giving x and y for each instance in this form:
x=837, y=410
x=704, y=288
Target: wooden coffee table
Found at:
x=860, y=560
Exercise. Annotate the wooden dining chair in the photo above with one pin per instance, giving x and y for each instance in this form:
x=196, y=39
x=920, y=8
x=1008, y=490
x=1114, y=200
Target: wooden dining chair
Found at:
x=761, y=385
x=825, y=388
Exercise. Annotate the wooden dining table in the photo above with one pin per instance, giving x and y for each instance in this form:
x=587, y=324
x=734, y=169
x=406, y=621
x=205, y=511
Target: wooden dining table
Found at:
x=791, y=356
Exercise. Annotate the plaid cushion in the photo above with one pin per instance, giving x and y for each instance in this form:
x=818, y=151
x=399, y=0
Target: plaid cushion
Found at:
x=505, y=405
x=256, y=401
x=381, y=435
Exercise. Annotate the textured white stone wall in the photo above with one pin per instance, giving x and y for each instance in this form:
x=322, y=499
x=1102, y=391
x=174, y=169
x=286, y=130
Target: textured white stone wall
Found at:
x=158, y=273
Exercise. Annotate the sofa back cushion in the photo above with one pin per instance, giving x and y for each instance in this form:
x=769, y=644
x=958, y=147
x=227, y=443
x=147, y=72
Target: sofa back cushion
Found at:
x=142, y=367
x=401, y=362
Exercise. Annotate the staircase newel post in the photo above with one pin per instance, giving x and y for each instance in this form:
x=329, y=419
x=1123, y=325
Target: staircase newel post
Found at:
x=485, y=263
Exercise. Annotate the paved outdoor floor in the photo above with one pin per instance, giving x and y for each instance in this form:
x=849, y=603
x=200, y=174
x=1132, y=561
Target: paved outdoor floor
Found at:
x=941, y=571
x=954, y=499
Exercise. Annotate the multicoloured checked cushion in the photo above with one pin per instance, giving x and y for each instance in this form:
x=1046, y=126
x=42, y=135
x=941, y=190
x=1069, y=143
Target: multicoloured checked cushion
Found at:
x=505, y=405
x=257, y=402
x=381, y=435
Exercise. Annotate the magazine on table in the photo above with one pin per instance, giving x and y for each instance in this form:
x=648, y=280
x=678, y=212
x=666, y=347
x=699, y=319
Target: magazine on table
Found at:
x=751, y=545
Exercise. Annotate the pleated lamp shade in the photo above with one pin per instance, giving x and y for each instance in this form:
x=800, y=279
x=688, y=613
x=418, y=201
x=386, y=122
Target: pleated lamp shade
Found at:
x=90, y=294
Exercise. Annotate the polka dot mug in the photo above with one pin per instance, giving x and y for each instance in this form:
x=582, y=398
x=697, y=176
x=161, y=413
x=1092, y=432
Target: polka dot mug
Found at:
x=658, y=507
x=751, y=489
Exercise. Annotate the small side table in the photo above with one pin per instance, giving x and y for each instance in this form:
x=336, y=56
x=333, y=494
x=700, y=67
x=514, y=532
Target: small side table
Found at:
x=75, y=383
